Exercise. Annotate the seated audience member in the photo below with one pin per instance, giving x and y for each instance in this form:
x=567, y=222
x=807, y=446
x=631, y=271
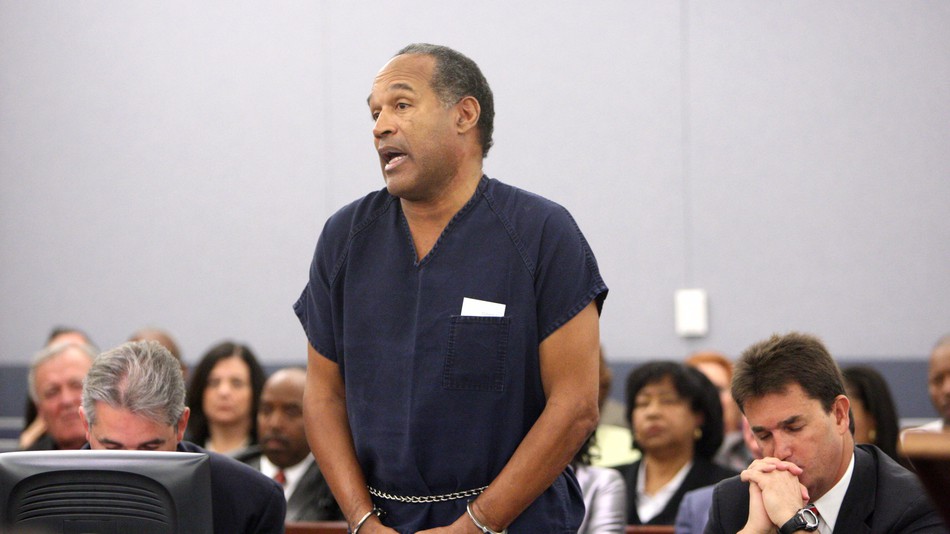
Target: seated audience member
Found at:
x=163, y=338
x=793, y=395
x=134, y=399
x=283, y=453
x=605, y=493
x=34, y=427
x=733, y=452
x=938, y=384
x=694, y=510
x=677, y=426
x=55, y=385
x=875, y=417
x=224, y=395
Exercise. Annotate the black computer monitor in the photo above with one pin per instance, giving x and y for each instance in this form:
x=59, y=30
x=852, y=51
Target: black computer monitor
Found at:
x=105, y=492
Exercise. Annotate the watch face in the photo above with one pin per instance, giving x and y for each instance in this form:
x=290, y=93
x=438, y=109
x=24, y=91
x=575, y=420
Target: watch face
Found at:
x=809, y=519
x=804, y=519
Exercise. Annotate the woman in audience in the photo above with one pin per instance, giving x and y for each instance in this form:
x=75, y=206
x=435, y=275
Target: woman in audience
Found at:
x=875, y=418
x=223, y=397
x=676, y=418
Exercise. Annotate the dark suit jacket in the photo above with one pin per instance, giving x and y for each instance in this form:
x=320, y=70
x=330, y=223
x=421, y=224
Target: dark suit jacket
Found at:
x=311, y=499
x=243, y=500
x=44, y=443
x=882, y=497
x=703, y=473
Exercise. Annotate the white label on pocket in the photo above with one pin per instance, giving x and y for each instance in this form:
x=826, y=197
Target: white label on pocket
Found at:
x=481, y=308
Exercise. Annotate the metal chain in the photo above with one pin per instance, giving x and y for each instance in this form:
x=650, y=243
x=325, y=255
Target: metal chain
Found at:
x=425, y=499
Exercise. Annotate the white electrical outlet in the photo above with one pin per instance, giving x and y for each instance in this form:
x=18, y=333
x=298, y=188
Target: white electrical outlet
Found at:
x=692, y=312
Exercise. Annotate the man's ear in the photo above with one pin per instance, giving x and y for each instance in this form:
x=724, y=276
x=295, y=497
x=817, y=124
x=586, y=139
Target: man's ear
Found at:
x=183, y=423
x=85, y=422
x=841, y=409
x=468, y=110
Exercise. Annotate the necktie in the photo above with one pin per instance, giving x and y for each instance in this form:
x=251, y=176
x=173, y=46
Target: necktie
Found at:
x=280, y=477
x=822, y=526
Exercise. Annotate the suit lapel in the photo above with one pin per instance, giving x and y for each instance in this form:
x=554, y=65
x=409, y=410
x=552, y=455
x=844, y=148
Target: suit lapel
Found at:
x=302, y=494
x=858, y=503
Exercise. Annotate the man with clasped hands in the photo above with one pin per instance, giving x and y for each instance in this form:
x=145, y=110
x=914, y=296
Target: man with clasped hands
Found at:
x=793, y=395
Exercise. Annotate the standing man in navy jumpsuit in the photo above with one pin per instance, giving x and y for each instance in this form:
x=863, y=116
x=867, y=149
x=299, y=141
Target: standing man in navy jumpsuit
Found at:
x=453, y=328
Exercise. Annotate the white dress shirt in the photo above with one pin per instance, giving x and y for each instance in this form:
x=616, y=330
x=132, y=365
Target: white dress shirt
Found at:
x=829, y=505
x=649, y=506
x=293, y=474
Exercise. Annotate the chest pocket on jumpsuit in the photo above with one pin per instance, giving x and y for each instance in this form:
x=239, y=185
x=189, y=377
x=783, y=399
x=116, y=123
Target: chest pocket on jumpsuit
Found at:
x=477, y=353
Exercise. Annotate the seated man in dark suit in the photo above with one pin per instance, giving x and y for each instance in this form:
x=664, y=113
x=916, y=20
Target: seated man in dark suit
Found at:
x=793, y=395
x=133, y=398
x=283, y=453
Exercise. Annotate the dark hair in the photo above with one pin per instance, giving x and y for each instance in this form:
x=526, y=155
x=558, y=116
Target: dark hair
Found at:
x=455, y=77
x=587, y=453
x=770, y=366
x=693, y=386
x=198, y=423
x=868, y=386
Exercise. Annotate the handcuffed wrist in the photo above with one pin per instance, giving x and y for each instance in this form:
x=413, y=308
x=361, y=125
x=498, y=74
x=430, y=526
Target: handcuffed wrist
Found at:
x=479, y=524
x=359, y=524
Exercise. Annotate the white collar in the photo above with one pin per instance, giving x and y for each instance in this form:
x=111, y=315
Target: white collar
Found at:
x=649, y=506
x=829, y=505
x=293, y=474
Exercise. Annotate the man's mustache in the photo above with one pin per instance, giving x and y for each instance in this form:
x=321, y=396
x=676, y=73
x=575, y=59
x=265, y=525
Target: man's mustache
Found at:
x=273, y=437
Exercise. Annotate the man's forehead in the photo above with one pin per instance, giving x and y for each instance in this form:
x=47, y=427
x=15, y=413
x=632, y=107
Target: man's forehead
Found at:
x=71, y=359
x=781, y=407
x=940, y=359
x=408, y=72
x=285, y=396
x=408, y=64
x=285, y=383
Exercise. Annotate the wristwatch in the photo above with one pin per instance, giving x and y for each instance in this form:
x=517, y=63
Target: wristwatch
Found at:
x=803, y=519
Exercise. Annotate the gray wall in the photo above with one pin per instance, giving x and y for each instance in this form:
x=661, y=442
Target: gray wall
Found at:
x=171, y=163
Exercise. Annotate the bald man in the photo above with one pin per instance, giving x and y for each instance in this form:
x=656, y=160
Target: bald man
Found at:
x=283, y=453
x=938, y=383
x=164, y=339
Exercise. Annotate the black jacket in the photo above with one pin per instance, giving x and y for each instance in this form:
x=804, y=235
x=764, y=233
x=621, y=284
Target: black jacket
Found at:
x=311, y=499
x=703, y=473
x=882, y=497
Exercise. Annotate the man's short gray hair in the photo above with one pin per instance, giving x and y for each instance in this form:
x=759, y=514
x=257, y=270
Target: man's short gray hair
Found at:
x=139, y=376
x=456, y=76
x=49, y=353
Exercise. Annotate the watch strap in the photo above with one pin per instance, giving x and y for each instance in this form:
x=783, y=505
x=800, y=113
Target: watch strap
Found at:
x=804, y=519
